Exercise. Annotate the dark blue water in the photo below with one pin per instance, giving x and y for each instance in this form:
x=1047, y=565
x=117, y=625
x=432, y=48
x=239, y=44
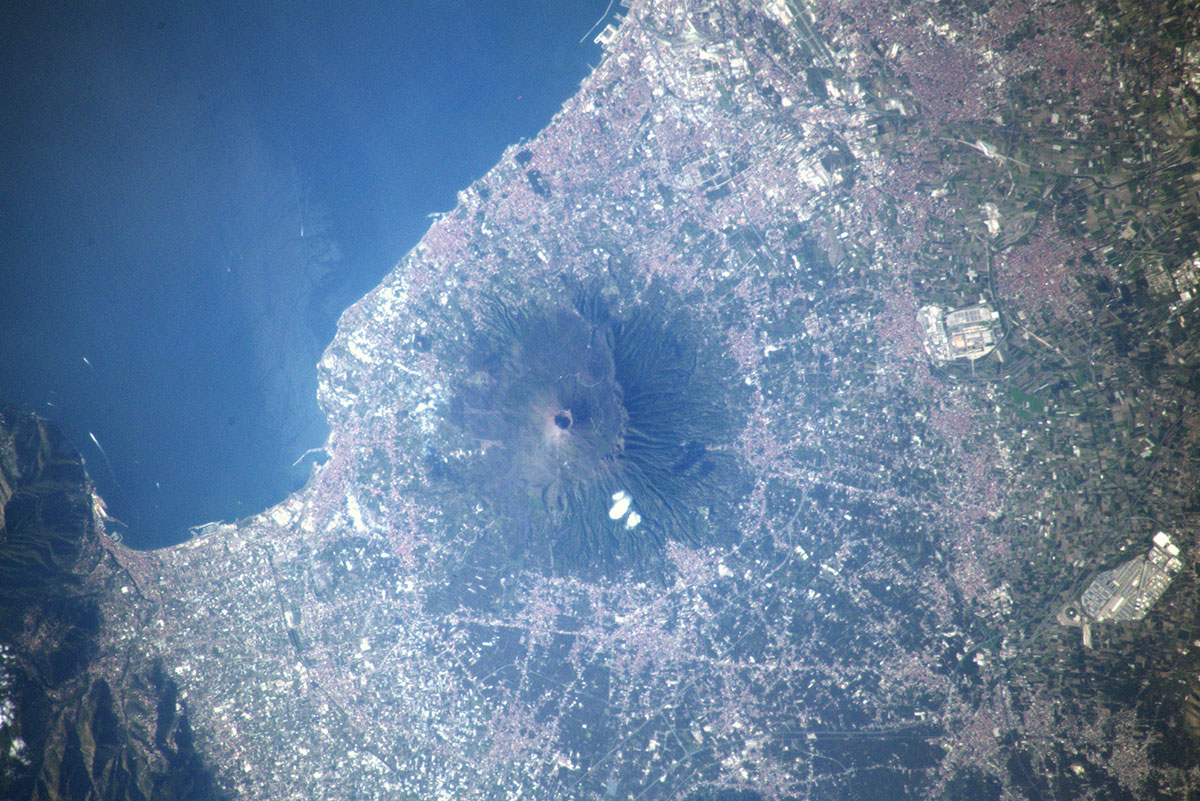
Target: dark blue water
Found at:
x=192, y=195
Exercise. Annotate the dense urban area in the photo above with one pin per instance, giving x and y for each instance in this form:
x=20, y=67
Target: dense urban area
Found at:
x=927, y=529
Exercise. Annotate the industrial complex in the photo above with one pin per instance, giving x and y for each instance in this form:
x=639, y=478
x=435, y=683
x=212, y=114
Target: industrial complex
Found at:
x=970, y=332
x=1127, y=591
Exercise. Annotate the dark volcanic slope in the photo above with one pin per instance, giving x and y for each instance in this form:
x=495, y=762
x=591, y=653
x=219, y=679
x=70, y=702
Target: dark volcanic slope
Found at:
x=603, y=437
x=802, y=179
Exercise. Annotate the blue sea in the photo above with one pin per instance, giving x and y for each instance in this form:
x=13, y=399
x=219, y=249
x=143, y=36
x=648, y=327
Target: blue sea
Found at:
x=192, y=193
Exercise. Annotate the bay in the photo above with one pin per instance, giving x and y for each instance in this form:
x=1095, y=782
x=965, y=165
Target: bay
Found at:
x=192, y=195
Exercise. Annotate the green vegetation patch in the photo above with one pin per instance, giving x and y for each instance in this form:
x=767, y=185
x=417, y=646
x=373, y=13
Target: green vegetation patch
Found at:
x=1026, y=406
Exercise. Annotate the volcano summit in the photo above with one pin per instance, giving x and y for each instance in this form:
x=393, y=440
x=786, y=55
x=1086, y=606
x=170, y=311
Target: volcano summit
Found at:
x=602, y=437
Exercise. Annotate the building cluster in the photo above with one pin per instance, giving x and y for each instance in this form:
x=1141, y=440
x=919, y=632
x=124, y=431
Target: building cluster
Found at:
x=970, y=333
x=1127, y=591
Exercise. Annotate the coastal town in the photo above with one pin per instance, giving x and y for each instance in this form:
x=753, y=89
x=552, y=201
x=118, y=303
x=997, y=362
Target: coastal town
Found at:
x=944, y=262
